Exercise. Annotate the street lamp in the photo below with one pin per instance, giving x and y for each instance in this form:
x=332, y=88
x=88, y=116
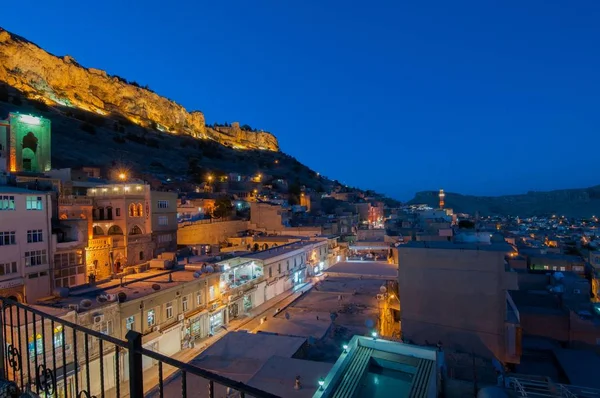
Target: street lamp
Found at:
x=321, y=383
x=345, y=347
x=374, y=334
x=122, y=176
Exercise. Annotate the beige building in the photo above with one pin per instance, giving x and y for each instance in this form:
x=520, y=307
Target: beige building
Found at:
x=70, y=240
x=25, y=243
x=122, y=228
x=457, y=294
x=268, y=216
x=182, y=309
x=163, y=212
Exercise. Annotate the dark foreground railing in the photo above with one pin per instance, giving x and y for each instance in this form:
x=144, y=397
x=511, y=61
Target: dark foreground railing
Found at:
x=54, y=357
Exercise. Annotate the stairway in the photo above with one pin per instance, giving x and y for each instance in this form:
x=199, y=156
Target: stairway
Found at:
x=354, y=373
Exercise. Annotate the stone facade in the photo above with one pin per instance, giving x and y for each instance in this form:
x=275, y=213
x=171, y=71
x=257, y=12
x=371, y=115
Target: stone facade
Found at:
x=207, y=232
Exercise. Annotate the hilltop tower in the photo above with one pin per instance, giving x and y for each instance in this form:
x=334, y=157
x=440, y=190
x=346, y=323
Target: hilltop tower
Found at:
x=24, y=144
x=442, y=195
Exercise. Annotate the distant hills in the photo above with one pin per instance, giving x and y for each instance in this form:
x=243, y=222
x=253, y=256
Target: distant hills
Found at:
x=583, y=202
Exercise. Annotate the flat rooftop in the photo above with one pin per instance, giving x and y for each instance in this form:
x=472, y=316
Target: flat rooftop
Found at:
x=279, y=250
x=365, y=268
x=261, y=346
x=580, y=366
x=278, y=376
x=12, y=189
x=135, y=286
x=445, y=245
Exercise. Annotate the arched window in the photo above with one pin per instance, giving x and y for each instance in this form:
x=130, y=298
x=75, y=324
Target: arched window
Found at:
x=115, y=230
x=98, y=231
x=132, y=210
x=140, y=210
x=135, y=230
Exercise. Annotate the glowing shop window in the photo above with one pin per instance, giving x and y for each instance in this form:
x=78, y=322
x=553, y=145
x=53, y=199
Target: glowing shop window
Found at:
x=151, y=318
x=36, y=345
x=58, y=336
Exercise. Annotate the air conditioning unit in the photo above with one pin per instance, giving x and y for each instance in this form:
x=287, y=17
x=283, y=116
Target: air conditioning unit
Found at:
x=156, y=329
x=180, y=317
x=98, y=318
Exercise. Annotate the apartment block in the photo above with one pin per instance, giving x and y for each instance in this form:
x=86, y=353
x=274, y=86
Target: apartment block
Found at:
x=458, y=294
x=25, y=243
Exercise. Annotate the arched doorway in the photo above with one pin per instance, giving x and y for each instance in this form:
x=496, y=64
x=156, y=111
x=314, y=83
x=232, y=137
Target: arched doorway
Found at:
x=28, y=157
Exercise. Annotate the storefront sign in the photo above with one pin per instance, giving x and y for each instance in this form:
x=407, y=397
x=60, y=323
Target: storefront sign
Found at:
x=11, y=283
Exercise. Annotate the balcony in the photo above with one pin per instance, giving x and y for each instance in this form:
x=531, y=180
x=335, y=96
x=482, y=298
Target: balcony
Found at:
x=74, y=201
x=95, y=364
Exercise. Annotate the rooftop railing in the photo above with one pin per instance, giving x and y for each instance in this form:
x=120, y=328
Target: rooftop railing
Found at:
x=50, y=356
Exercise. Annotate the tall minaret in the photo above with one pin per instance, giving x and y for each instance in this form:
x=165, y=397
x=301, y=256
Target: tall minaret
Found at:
x=442, y=195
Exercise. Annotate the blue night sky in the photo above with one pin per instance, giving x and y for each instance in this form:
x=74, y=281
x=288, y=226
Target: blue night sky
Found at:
x=477, y=97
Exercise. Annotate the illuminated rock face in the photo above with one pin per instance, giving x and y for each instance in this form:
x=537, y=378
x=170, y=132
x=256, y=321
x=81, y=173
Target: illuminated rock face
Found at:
x=41, y=75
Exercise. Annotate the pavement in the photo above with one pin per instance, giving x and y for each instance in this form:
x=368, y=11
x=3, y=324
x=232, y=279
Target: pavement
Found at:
x=249, y=322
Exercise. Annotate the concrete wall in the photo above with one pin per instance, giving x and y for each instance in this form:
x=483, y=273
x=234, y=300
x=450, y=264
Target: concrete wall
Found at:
x=454, y=296
x=209, y=233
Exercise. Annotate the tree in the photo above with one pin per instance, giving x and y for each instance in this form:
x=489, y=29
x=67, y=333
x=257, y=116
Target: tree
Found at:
x=466, y=224
x=223, y=207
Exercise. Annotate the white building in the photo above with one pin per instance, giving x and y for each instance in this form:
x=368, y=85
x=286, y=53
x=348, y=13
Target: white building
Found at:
x=25, y=243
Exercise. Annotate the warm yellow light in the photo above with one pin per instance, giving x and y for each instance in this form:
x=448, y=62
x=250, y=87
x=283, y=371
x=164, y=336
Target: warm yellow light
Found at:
x=392, y=296
x=122, y=176
x=126, y=189
x=210, y=178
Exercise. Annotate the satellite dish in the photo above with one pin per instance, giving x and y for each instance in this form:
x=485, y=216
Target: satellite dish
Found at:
x=101, y=298
x=111, y=297
x=85, y=303
x=369, y=323
x=383, y=289
x=210, y=269
x=197, y=274
x=122, y=297
x=156, y=286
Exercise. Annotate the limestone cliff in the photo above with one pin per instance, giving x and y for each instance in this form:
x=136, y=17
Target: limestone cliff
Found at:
x=61, y=80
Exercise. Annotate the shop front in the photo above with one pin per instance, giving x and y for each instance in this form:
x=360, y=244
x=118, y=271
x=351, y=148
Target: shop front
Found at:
x=195, y=327
x=216, y=320
x=299, y=277
x=239, y=275
x=236, y=307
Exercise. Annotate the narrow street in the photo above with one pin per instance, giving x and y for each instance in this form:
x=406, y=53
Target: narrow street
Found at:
x=248, y=322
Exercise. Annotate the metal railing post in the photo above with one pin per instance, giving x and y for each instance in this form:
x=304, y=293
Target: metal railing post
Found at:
x=3, y=370
x=136, y=374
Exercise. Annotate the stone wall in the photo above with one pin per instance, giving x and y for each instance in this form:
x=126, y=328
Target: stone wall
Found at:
x=209, y=233
x=62, y=80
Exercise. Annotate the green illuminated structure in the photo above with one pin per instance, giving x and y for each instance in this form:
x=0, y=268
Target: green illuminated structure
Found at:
x=26, y=143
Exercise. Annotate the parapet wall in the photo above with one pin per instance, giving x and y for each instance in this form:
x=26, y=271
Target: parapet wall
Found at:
x=209, y=233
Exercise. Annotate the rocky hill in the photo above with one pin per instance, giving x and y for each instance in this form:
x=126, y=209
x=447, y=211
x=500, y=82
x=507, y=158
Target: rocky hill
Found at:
x=62, y=81
x=583, y=202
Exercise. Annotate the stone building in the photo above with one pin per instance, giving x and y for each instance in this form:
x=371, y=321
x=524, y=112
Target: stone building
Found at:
x=163, y=226
x=71, y=236
x=458, y=294
x=122, y=220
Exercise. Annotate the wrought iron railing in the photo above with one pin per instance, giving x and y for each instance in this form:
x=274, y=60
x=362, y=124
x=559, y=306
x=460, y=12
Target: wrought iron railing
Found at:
x=54, y=357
